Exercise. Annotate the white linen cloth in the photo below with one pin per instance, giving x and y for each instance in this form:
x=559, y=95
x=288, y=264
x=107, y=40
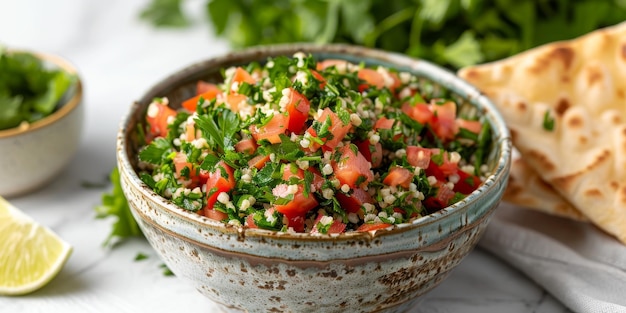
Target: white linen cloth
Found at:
x=576, y=262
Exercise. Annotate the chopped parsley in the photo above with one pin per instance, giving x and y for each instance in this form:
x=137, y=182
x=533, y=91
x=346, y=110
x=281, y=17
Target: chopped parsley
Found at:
x=321, y=146
x=548, y=121
x=29, y=91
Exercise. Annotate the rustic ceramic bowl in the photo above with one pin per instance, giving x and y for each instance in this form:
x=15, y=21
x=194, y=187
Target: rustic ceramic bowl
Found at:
x=264, y=271
x=32, y=155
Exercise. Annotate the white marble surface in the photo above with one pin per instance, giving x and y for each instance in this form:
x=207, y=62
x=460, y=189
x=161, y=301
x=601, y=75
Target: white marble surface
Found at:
x=118, y=58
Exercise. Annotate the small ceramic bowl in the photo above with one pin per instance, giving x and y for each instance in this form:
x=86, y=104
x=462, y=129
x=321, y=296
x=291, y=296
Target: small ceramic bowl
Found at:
x=32, y=155
x=257, y=270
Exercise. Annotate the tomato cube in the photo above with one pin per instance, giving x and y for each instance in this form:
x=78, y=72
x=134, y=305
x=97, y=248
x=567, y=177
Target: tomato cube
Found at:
x=272, y=130
x=336, y=130
x=298, y=109
x=352, y=168
x=221, y=179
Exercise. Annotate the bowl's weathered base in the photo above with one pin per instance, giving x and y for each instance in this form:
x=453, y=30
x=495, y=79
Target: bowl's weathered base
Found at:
x=402, y=308
x=390, y=283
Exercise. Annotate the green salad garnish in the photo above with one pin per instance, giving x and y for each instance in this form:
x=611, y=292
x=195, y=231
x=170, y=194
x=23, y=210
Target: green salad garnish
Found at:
x=29, y=91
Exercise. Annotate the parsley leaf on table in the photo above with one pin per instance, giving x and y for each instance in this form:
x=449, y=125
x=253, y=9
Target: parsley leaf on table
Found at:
x=548, y=121
x=140, y=256
x=115, y=205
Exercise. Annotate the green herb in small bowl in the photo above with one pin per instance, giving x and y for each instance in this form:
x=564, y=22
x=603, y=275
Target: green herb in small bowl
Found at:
x=41, y=118
x=29, y=90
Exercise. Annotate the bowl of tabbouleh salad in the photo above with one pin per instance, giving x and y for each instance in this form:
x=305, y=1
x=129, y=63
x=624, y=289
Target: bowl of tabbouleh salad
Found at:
x=40, y=118
x=304, y=178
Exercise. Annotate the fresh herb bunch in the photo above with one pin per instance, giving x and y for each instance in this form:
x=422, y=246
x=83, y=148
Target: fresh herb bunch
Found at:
x=114, y=204
x=453, y=33
x=28, y=90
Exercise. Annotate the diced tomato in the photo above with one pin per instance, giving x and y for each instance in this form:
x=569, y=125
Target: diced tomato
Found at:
x=444, y=124
x=447, y=167
x=473, y=126
x=396, y=81
x=214, y=214
x=301, y=203
x=298, y=108
x=247, y=146
x=372, y=78
x=467, y=183
x=376, y=156
x=441, y=199
x=445, y=110
x=299, y=206
x=387, y=123
x=403, y=212
x=434, y=170
x=296, y=222
x=337, y=227
x=205, y=90
x=157, y=117
x=341, y=65
x=258, y=161
x=221, y=179
x=320, y=78
x=204, y=176
x=249, y=222
x=420, y=112
x=398, y=176
x=196, y=176
x=234, y=101
x=318, y=179
x=352, y=168
x=372, y=227
x=445, y=129
x=290, y=170
x=180, y=163
x=203, y=86
x=399, y=210
x=337, y=129
x=272, y=130
x=240, y=76
x=440, y=116
x=353, y=202
x=190, y=131
x=384, y=123
x=418, y=156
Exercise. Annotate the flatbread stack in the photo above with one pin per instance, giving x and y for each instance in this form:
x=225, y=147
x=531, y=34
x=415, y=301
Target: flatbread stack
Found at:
x=565, y=104
x=527, y=189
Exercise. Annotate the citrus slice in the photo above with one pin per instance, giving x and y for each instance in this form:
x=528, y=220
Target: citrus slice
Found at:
x=31, y=255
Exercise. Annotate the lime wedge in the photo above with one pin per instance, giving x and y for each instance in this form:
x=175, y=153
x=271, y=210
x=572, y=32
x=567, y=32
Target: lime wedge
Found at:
x=31, y=255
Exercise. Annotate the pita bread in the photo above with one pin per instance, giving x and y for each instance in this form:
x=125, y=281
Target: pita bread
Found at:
x=581, y=84
x=528, y=190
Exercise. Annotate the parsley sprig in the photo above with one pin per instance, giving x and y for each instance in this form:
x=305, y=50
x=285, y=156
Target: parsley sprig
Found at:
x=114, y=204
x=219, y=127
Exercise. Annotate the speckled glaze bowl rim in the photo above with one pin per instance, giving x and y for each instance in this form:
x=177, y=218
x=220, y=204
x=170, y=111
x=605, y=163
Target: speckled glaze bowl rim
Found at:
x=502, y=140
x=69, y=105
